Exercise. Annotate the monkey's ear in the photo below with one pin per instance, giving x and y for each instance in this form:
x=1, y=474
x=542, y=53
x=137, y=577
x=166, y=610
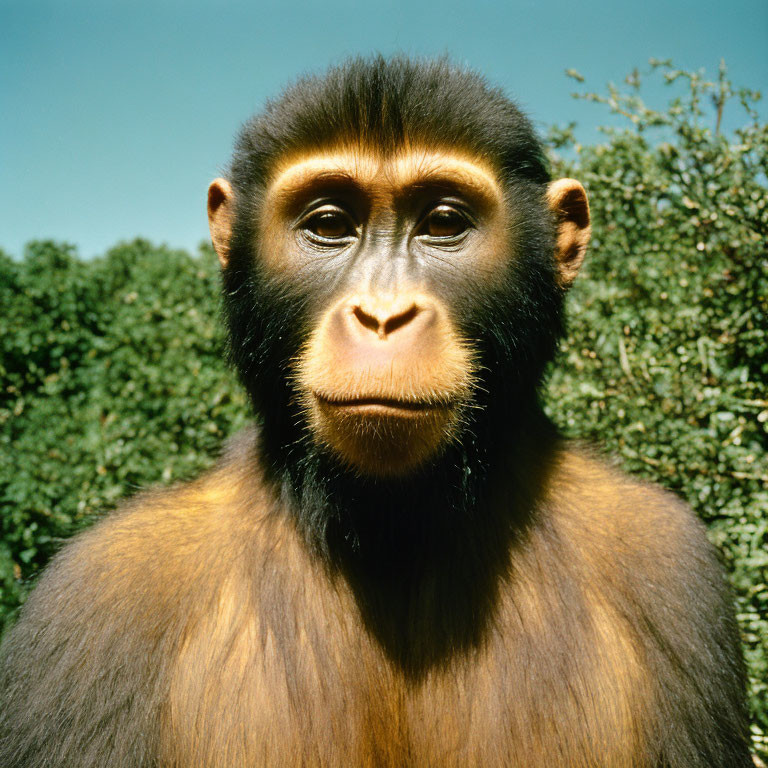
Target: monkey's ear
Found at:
x=221, y=200
x=568, y=201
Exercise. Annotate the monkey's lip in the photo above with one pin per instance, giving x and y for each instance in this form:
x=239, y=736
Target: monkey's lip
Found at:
x=382, y=405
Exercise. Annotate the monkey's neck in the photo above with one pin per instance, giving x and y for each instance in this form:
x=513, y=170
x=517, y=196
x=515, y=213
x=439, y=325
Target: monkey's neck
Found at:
x=493, y=471
x=425, y=554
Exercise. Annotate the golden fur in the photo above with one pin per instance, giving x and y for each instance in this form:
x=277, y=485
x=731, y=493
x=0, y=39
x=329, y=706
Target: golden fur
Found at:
x=271, y=664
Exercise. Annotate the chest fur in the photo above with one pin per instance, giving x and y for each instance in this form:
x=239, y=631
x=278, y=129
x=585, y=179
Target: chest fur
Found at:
x=303, y=682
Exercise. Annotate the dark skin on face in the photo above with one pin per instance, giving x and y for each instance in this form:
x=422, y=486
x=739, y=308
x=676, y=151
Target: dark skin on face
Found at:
x=391, y=244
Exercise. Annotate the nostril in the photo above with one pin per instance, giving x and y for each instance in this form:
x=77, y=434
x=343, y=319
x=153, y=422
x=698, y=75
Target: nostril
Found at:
x=385, y=322
x=368, y=321
x=391, y=324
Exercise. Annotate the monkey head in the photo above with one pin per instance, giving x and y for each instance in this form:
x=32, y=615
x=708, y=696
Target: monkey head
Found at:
x=394, y=261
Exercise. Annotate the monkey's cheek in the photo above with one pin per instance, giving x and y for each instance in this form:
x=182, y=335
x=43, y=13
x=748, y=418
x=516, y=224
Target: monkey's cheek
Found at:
x=383, y=441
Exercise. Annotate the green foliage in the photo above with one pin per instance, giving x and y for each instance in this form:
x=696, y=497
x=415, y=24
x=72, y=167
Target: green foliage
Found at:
x=112, y=375
x=113, y=378
x=666, y=361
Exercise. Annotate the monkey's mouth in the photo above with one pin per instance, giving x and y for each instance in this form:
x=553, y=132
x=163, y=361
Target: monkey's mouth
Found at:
x=383, y=406
x=382, y=435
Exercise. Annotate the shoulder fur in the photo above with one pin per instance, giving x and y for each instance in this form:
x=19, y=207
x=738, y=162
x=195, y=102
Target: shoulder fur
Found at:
x=648, y=566
x=110, y=614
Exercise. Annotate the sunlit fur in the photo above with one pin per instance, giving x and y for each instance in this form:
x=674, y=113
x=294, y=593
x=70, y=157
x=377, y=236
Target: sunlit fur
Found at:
x=193, y=629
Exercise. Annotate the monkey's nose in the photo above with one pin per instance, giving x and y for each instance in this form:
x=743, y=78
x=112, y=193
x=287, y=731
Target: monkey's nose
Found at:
x=384, y=321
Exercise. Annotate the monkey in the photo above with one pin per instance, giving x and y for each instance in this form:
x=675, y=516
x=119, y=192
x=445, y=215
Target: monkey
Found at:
x=402, y=563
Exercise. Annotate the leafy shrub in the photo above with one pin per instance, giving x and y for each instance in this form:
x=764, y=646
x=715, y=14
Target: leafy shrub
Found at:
x=112, y=373
x=666, y=361
x=113, y=379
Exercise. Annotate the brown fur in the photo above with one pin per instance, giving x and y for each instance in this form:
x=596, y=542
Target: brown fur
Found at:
x=268, y=661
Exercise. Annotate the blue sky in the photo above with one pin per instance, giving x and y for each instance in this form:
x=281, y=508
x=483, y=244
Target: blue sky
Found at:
x=116, y=115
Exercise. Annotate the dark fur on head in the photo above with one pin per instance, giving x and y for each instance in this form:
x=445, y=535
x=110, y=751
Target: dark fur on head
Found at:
x=384, y=103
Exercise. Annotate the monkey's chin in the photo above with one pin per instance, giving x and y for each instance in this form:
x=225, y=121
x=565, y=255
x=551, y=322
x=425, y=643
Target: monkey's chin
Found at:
x=380, y=437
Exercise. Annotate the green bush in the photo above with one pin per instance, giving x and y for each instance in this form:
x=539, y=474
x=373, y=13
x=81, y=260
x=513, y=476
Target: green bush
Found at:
x=113, y=379
x=112, y=375
x=666, y=360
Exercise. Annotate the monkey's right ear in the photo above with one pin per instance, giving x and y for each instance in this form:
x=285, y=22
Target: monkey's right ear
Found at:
x=221, y=200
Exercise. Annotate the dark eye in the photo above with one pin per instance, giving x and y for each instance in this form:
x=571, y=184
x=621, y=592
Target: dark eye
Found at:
x=329, y=224
x=444, y=221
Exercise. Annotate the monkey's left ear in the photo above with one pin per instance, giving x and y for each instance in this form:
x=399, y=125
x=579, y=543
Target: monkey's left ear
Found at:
x=568, y=201
x=220, y=215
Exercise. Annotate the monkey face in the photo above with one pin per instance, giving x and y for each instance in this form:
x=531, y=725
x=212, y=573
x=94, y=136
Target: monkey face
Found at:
x=390, y=245
x=392, y=257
